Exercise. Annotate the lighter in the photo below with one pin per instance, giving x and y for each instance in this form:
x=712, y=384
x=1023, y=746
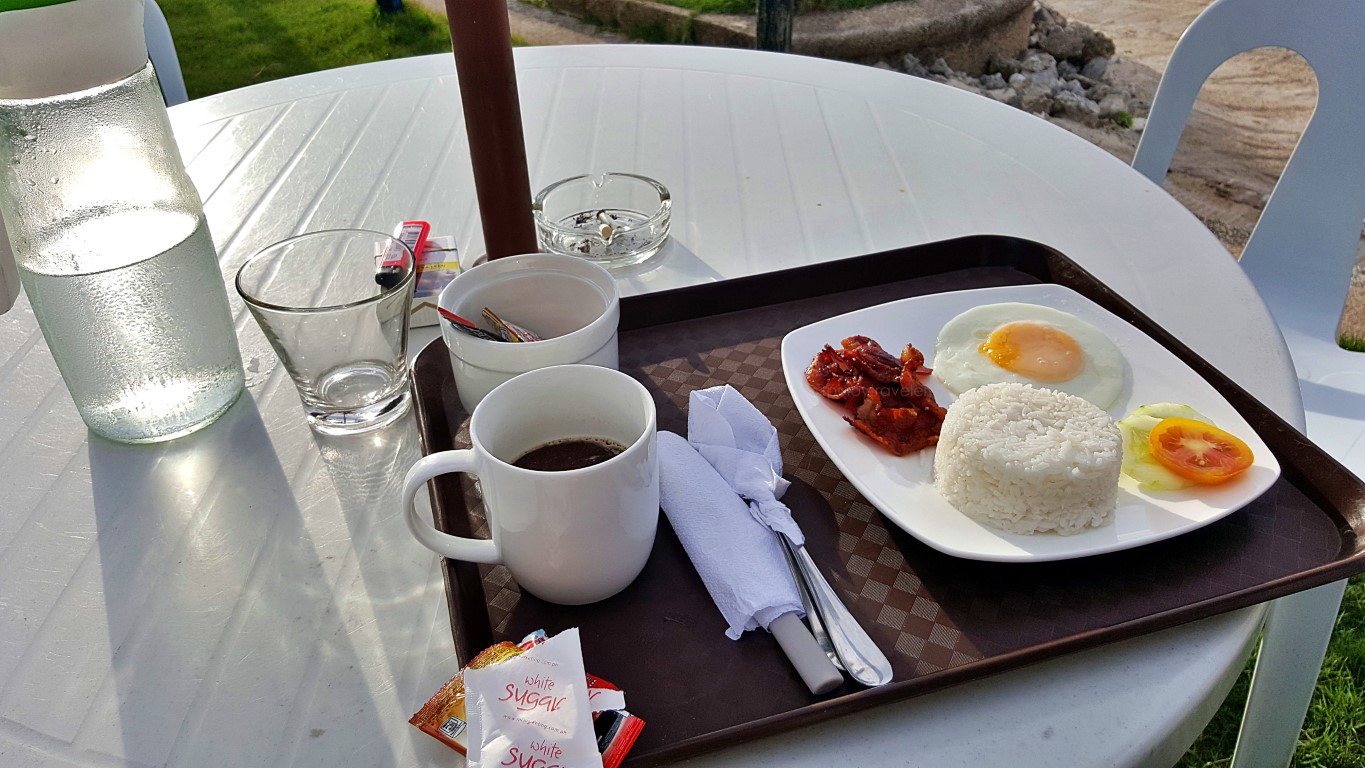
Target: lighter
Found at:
x=389, y=269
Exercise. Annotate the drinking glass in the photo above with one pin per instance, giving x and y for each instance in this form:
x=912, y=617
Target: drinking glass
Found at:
x=340, y=333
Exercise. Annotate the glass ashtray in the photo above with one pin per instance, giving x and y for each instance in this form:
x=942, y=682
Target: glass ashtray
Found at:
x=613, y=219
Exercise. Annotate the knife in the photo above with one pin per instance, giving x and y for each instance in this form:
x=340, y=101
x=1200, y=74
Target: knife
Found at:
x=857, y=653
x=806, y=655
x=817, y=628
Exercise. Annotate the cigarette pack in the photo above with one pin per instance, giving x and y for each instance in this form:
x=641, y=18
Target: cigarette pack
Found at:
x=438, y=264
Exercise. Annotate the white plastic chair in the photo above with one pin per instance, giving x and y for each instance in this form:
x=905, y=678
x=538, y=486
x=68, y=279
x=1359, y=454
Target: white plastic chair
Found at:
x=161, y=50
x=1300, y=257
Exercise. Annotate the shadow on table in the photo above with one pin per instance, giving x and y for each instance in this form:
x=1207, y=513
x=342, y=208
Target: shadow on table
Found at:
x=220, y=602
x=395, y=578
x=1334, y=400
x=684, y=268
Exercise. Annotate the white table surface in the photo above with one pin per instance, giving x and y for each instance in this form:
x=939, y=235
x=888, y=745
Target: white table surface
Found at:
x=249, y=595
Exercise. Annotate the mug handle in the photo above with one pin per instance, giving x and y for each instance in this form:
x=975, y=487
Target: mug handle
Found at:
x=454, y=547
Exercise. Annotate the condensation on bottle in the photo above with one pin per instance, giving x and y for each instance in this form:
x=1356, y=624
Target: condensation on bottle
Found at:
x=116, y=258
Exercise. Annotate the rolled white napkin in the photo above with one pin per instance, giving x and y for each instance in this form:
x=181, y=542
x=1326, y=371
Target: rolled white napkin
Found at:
x=738, y=558
x=741, y=444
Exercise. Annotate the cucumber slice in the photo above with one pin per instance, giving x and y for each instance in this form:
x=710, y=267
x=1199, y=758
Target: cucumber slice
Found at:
x=1171, y=411
x=1138, y=462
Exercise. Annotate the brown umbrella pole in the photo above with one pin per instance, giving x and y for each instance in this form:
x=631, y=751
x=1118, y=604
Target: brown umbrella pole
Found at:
x=482, y=41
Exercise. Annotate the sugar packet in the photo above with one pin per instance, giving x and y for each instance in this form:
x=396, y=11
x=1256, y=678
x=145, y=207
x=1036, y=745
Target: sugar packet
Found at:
x=533, y=710
x=444, y=717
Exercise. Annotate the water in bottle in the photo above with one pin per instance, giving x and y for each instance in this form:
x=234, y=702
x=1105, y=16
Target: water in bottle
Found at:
x=116, y=259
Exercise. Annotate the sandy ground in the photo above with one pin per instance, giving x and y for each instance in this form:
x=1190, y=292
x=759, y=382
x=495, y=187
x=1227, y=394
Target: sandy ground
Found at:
x=1245, y=123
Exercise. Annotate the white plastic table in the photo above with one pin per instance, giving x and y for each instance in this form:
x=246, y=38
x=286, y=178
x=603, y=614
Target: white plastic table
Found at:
x=249, y=595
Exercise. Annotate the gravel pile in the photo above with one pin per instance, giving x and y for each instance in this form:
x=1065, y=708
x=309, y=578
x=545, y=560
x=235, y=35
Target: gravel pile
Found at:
x=1062, y=74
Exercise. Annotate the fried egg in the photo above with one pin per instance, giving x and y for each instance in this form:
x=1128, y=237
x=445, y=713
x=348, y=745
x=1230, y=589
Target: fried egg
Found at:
x=1028, y=344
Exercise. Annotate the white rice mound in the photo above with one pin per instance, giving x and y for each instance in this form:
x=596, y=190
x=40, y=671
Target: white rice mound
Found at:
x=1027, y=460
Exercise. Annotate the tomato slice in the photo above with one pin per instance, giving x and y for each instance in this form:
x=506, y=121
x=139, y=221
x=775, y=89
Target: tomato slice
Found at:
x=1198, y=451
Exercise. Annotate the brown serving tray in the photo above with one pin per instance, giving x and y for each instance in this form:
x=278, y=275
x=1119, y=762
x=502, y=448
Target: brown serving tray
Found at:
x=941, y=620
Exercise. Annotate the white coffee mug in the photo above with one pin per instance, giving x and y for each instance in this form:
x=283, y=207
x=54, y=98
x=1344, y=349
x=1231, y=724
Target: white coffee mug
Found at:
x=572, y=536
x=573, y=303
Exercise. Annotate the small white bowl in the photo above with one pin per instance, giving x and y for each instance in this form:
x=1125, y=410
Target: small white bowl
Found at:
x=574, y=304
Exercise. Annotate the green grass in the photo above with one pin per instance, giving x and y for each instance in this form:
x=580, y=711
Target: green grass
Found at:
x=1352, y=343
x=226, y=44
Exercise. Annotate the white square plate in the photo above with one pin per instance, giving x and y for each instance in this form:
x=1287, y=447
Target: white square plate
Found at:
x=902, y=486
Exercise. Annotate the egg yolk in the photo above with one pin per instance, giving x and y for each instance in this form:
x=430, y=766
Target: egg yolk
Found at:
x=1039, y=352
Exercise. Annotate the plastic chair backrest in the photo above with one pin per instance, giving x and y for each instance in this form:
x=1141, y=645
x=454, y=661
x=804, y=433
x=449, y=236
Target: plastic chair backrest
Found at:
x=1300, y=257
x=161, y=50
x=1301, y=253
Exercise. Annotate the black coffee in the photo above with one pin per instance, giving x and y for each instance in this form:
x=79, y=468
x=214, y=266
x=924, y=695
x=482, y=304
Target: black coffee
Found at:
x=569, y=453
